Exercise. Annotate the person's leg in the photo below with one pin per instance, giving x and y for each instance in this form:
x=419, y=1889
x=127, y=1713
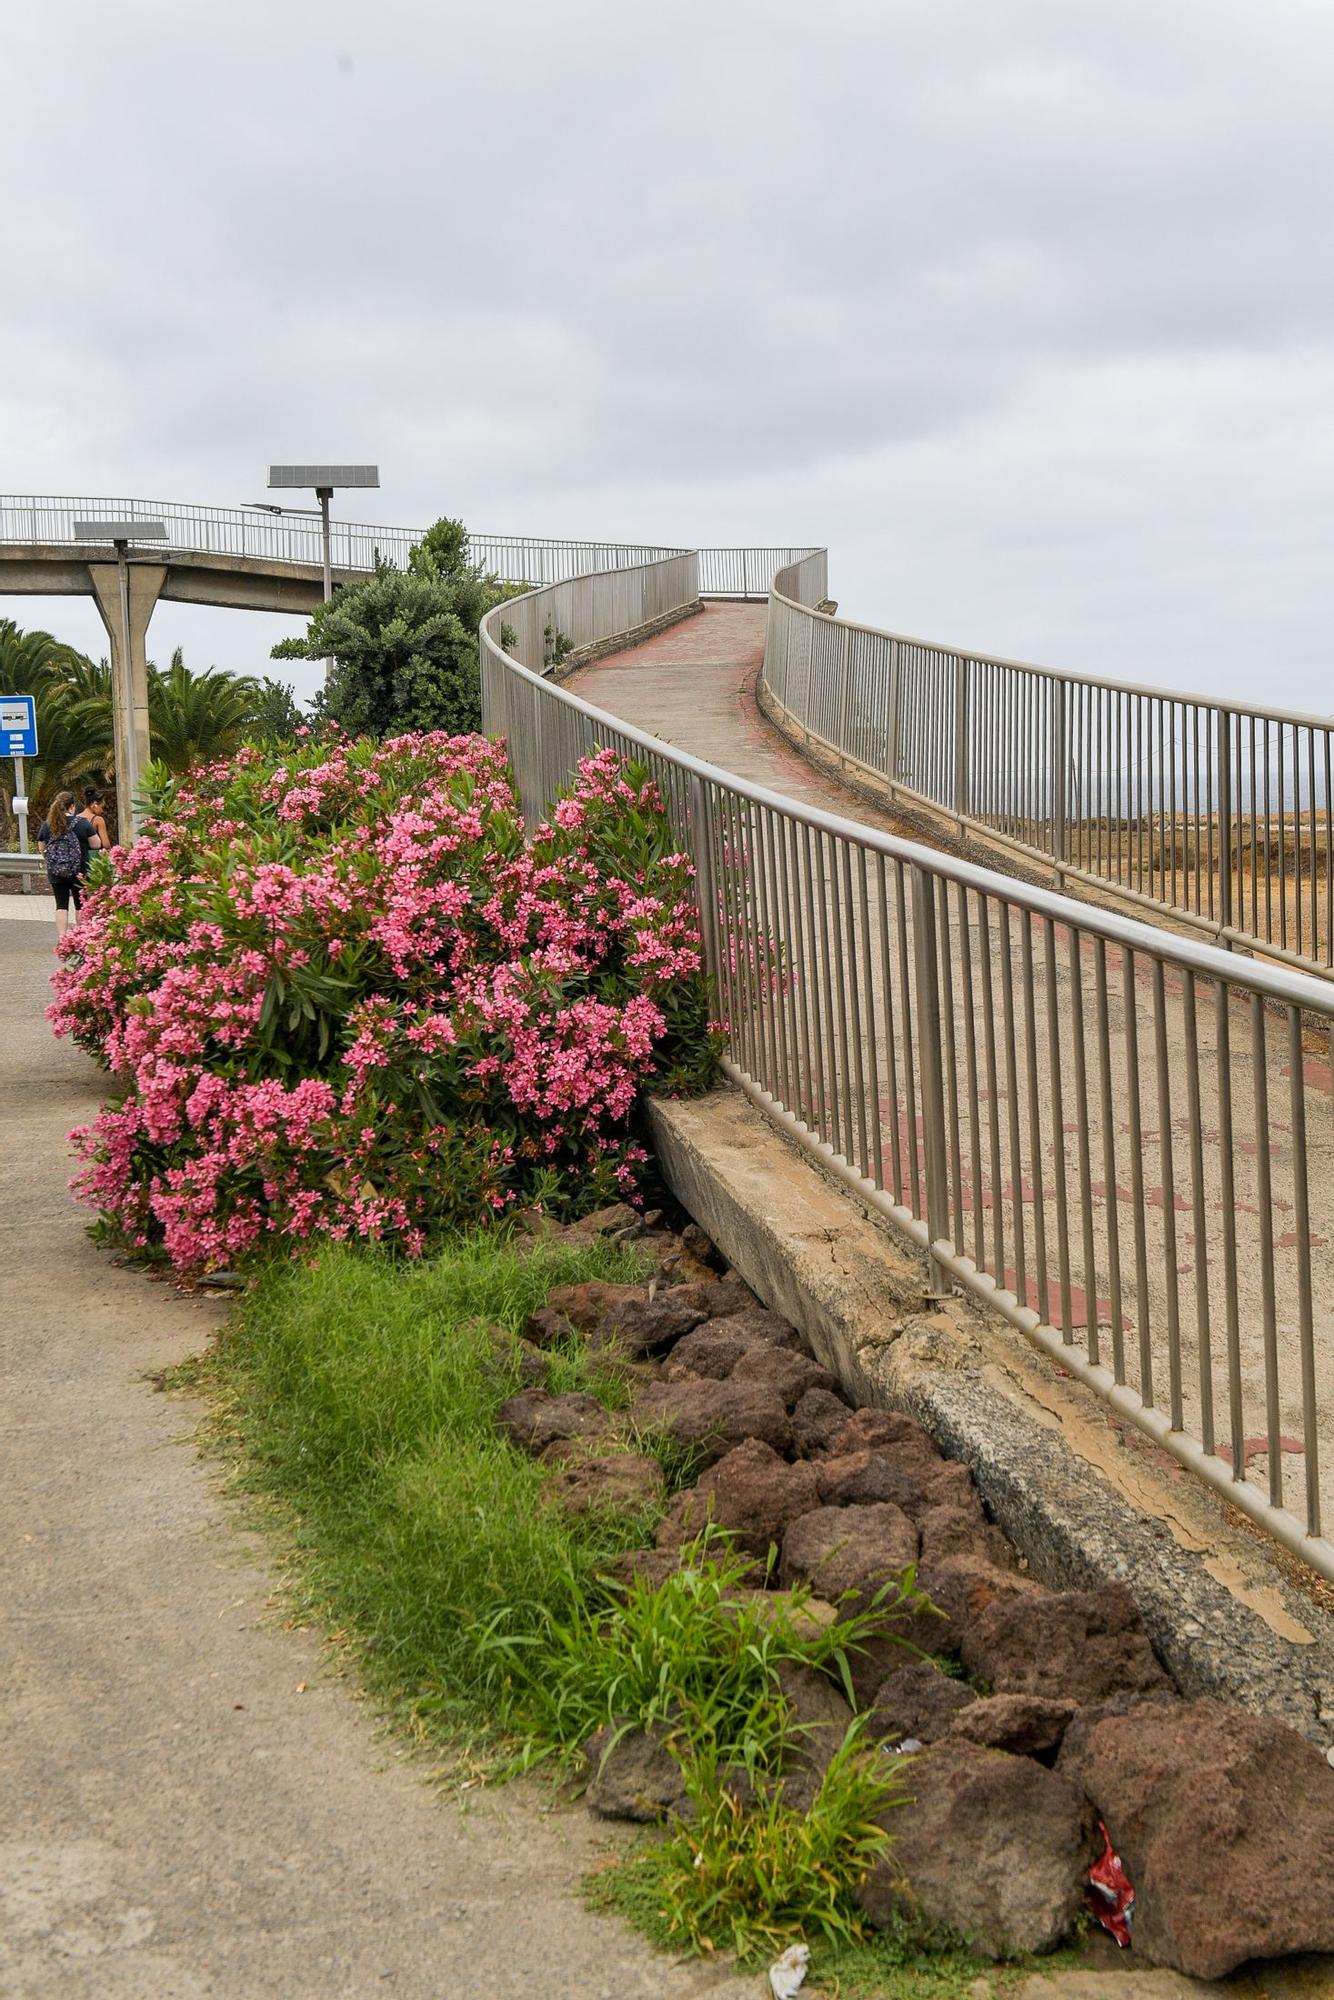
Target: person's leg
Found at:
x=62, y=908
x=76, y=902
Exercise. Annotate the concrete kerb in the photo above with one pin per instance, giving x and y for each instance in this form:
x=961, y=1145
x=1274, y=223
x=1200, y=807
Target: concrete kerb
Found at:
x=1085, y=1501
x=621, y=642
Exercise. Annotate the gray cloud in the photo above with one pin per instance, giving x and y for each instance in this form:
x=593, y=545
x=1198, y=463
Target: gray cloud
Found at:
x=1026, y=311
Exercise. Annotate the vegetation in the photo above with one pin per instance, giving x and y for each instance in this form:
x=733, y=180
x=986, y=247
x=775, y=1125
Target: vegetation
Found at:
x=360, y=1395
x=371, y=1010
x=193, y=718
x=404, y=643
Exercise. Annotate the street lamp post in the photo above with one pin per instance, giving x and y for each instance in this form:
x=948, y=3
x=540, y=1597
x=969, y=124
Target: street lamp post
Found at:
x=323, y=479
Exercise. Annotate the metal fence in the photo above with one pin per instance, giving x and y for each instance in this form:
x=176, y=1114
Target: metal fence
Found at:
x=1217, y=812
x=257, y=534
x=1120, y=1139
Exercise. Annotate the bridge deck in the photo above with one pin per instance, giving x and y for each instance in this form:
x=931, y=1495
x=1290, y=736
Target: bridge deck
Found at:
x=694, y=685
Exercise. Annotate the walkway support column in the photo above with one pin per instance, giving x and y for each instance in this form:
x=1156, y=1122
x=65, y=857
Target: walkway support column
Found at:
x=126, y=594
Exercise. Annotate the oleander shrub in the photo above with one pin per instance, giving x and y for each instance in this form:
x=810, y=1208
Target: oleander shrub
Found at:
x=340, y=997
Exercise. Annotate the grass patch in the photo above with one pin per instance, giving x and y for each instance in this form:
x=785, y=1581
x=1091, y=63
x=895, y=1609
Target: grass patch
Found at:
x=358, y=1396
x=361, y=1393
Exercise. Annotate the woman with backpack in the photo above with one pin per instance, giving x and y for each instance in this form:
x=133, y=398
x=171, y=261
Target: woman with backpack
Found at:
x=66, y=838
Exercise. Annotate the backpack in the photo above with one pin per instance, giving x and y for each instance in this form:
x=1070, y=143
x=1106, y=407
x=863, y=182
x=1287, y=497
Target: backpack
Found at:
x=64, y=857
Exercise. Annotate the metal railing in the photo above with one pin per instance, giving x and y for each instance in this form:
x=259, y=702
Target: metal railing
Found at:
x=1119, y=1138
x=255, y=534
x=1216, y=812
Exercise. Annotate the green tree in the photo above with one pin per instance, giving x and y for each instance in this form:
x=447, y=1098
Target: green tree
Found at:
x=195, y=718
x=73, y=702
x=404, y=643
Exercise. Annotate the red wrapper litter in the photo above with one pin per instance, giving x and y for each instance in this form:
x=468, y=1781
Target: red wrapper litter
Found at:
x=1110, y=1895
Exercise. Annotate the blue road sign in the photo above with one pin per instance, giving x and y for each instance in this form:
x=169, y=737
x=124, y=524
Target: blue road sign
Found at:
x=18, y=725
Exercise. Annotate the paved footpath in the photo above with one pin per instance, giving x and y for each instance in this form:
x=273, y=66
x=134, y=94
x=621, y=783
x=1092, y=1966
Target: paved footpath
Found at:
x=694, y=685
x=178, y=1818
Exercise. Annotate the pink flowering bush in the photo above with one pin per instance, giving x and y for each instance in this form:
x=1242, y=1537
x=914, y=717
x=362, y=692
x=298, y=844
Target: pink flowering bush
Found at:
x=340, y=997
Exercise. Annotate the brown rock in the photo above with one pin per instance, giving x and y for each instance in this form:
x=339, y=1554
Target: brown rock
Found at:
x=788, y=1374
x=917, y=1704
x=1076, y=1645
x=962, y=1530
x=535, y=1420
x=647, y=1326
x=651, y=1567
x=1027, y=1725
x=714, y=1416
x=618, y=1220
x=808, y=1617
x=626, y=1482
x=840, y=1549
x=906, y=1474
x=717, y=1298
x=758, y=1327
x=633, y=1775
x=700, y=1245
x=1074, y=1744
x=820, y=1719
x=585, y=1306
x=956, y=1592
x=709, y=1353
x=995, y=1848
x=819, y=1415
x=882, y=1430
x=751, y=1491
x=1225, y=1824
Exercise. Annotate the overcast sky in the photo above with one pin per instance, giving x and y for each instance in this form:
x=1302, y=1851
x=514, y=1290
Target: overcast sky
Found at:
x=1024, y=310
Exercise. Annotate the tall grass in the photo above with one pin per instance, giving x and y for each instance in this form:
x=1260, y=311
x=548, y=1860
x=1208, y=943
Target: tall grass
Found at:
x=363, y=1394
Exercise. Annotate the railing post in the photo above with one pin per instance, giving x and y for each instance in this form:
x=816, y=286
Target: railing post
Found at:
x=843, y=695
x=1224, y=781
x=930, y=1067
x=961, y=737
x=706, y=878
x=1059, y=758
x=892, y=715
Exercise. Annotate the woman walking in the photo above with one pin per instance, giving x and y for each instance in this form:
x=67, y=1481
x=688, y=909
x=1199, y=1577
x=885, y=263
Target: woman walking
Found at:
x=66, y=838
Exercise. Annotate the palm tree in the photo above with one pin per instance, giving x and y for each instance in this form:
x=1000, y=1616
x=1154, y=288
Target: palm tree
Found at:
x=73, y=699
x=197, y=717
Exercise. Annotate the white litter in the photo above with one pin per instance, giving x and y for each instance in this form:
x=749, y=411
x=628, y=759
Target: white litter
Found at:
x=788, y=1974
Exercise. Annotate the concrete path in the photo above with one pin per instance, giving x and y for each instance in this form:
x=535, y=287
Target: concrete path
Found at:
x=1156, y=1303
x=189, y=1805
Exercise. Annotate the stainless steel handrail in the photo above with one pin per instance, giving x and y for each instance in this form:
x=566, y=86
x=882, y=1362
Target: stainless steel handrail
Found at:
x=255, y=534
x=921, y=1024
x=1219, y=813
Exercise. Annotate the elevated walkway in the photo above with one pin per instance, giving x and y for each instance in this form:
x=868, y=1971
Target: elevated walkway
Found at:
x=1038, y=1138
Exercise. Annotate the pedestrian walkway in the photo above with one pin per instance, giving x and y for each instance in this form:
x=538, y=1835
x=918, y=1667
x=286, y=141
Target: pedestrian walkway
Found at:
x=191, y=1805
x=1169, y=1282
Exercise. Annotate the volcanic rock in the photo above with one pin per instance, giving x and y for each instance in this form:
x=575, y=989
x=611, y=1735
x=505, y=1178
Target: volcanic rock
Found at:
x=917, y=1703
x=789, y=1375
x=535, y=1420
x=1076, y=1645
x=714, y=1416
x=1027, y=1725
x=626, y=1481
x=1225, y=1824
x=633, y=1775
x=995, y=1848
x=821, y=1718
x=840, y=1549
x=819, y=1415
x=751, y=1491
x=642, y=1325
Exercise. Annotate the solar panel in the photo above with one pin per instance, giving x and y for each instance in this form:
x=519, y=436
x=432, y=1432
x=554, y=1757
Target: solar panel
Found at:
x=324, y=475
x=121, y=531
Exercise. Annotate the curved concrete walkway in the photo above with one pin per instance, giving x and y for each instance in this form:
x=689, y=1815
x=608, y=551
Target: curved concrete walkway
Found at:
x=693, y=684
x=189, y=1805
